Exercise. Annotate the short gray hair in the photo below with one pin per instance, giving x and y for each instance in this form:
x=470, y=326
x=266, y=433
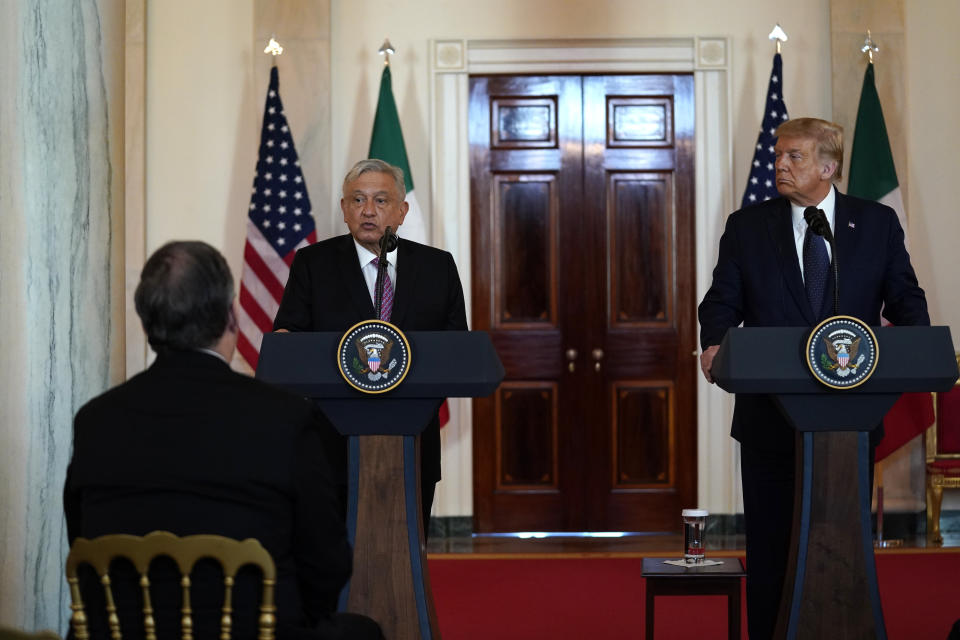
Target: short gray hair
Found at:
x=379, y=166
x=184, y=296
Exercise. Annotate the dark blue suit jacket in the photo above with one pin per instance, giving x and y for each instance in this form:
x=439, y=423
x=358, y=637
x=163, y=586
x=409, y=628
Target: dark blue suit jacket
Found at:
x=757, y=282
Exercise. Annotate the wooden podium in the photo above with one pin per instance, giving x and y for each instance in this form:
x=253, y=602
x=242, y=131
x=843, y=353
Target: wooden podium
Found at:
x=830, y=589
x=390, y=581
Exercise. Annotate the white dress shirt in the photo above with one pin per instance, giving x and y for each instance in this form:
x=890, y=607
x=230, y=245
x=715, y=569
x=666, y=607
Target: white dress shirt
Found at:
x=366, y=258
x=827, y=205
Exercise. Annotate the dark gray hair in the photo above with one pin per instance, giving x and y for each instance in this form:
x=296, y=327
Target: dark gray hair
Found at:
x=184, y=296
x=373, y=164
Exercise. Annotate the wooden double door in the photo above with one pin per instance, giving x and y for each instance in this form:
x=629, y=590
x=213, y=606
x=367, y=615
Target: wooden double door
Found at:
x=583, y=273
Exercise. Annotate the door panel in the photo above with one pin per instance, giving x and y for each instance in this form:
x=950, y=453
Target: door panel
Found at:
x=527, y=437
x=525, y=229
x=526, y=136
x=581, y=190
x=640, y=219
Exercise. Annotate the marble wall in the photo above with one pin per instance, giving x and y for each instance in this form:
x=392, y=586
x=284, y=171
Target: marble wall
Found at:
x=61, y=229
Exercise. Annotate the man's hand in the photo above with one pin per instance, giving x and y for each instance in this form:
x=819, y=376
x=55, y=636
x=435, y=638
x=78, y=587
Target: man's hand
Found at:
x=706, y=361
x=281, y=331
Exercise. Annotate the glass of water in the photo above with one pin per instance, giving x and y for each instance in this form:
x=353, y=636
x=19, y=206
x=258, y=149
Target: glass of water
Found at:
x=694, y=521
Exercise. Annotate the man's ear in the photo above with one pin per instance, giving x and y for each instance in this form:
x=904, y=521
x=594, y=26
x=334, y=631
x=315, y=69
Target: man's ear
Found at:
x=404, y=209
x=232, y=325
x=828, y=170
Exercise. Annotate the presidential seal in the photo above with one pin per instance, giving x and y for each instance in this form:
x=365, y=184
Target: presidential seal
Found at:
x=842, y=352
x=373, y=356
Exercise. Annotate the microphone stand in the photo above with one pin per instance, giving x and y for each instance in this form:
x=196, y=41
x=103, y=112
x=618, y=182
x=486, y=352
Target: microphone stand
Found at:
x=817, y=221
x=833, y=267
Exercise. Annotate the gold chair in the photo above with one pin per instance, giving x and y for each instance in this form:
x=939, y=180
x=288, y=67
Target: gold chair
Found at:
x=7, y=633
x=943, y=455
x=185, y=552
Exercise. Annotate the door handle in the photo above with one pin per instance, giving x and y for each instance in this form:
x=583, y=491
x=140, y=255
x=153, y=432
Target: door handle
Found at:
x=597, y=357
x=571, y=356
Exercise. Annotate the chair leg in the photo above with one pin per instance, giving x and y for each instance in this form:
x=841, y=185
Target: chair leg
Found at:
x=934, y=501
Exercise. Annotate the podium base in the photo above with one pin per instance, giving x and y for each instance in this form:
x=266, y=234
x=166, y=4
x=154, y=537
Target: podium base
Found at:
x=831, y=586
x=390, y=581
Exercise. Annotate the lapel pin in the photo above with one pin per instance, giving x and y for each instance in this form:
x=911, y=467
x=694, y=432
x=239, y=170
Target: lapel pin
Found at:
x=852, y=225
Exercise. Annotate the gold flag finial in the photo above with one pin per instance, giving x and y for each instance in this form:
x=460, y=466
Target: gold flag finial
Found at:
x=779, y=35
x=386, y=50
x=273, y=47
x=869, y=47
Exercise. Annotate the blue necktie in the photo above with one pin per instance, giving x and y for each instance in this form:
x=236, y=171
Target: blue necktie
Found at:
x=816, y=265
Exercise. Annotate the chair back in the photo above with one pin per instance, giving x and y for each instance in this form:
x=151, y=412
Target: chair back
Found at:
x=185, y=552
x=943, y=439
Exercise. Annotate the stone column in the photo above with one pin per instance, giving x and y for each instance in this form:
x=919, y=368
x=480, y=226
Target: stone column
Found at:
x=61, y=269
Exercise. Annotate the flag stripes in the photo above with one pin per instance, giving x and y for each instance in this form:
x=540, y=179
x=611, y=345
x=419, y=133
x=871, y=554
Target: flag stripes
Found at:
x=279, y=222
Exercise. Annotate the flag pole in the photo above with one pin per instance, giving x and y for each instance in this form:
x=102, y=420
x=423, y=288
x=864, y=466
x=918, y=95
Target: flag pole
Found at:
x=870, y=47
x=386, y=50
x=273, y=48
x=778, y=35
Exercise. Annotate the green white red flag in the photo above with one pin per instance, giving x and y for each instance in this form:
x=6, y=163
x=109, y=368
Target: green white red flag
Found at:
x=874, y=177
x=386, y=143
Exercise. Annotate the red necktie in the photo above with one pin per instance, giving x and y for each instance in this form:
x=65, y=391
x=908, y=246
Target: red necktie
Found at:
x=386, y=306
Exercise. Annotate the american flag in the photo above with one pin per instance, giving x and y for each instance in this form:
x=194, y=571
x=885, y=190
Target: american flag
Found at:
x=279, y=222
x=762, y=184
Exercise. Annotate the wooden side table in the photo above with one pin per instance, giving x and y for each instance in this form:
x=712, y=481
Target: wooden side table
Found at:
x=714, y=580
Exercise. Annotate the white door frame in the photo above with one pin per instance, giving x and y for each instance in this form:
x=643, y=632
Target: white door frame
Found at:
x=452, y=61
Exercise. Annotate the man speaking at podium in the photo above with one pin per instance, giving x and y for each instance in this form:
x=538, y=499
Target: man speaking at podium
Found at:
x=331, y=288
x=773, y=272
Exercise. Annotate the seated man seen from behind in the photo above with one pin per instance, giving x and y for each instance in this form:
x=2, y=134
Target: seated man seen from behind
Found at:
x=190, y=446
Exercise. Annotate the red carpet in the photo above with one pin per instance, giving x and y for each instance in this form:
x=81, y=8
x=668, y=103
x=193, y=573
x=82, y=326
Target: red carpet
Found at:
x=602, y=597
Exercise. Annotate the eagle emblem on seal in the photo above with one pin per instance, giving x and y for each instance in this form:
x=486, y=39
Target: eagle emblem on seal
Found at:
x=842, y=349
x=374, y=355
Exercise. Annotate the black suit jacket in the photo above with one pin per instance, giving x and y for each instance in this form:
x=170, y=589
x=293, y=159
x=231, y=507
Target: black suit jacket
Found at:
x=757, y=282
x=326, y=292
x=190, y=446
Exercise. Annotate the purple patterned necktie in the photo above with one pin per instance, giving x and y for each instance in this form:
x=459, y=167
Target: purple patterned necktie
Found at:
x=816, y=265
x=386, y=305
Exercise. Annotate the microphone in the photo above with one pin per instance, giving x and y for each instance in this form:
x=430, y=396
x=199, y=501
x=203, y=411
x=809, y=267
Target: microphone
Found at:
x=388, y=242
x=817, y=221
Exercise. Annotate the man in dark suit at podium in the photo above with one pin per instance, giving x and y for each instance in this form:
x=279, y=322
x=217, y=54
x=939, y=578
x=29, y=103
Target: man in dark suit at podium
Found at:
x=772, y=272
x=190, y=446
x=331, y=288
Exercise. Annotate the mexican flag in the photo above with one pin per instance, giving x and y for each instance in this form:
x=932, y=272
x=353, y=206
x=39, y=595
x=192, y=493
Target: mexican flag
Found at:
x=873, y=177
x=386, y=143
